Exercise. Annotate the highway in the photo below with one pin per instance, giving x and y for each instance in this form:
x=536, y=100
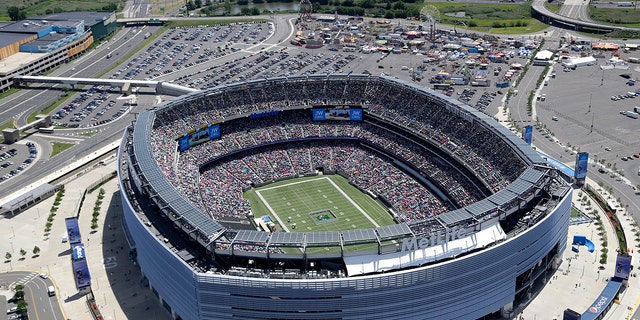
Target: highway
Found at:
x=18, y=106
x=575, y=9
x=574, y=15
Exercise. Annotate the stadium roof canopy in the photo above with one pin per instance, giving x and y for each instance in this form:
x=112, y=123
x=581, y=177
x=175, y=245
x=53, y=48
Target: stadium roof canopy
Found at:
x=501, y=198
x=455, y=216
x=532, y=175
x=252, y=236
x=394, y=231
x=359, y=235
x=519, y=186
x=186, y=211
x=317, y=238
x=480, y=208
x=287, y=238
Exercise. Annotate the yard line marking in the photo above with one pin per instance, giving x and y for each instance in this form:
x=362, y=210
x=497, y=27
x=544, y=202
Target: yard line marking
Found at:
x=344, y=194
x=352, y=202
x=292, y=184
x=273, y=213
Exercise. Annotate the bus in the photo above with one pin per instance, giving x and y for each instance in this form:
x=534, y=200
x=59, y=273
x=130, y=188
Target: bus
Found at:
x=45, y=129
x=441, y=86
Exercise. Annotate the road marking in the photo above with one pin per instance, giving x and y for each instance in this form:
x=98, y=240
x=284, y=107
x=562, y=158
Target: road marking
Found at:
x=110, y=262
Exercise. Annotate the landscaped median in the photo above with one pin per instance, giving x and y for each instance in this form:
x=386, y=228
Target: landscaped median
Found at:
x=611, y=216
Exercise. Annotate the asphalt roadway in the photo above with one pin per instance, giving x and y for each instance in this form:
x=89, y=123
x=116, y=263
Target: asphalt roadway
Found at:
x=19, y=105
x=36, y=294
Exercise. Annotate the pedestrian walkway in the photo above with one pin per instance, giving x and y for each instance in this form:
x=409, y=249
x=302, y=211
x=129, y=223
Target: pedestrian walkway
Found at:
x=580, y=278
x=117, y=284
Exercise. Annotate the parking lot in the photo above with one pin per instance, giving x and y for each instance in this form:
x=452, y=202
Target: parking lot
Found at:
x=16, y=158
x=207, y=56
x=93, y=107
x=600, y=119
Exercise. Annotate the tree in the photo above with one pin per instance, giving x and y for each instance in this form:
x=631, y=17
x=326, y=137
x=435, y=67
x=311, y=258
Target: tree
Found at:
x=19, y=290
x=7, y=255
x=111, y=7
x=366, y=3
x=23, y=252
x=22, y=307
x=36, y=250
x=398, y=5
x=191, y=5
x=227, y=6
x=198, y=4
x=16, y=13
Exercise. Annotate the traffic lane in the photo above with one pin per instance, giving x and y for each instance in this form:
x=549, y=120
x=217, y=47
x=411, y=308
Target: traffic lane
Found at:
x=96, y=61
x=39, y=303
x=32, y=99
x=627, y=196
x=107, y=134
x=110, y=133
x=518, y=103
x=28, y=100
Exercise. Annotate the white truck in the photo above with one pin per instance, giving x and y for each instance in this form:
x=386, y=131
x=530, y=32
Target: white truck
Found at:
x=632, y=114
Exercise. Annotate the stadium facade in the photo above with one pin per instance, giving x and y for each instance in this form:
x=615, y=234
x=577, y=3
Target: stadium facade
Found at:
x=481, y=259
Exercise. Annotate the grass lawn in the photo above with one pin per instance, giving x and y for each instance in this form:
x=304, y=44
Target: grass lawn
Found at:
x=59, y=147
x=163, y=6
x=492, y=18
x=6, y=125
x=619, y=16
x=553, y=7
x=35, y=8
x=321, y=203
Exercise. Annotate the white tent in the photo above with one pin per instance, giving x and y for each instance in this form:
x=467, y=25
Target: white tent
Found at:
x=579, y=62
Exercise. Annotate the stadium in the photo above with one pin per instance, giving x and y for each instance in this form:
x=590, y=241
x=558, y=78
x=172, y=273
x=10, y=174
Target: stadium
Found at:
x=337, y=197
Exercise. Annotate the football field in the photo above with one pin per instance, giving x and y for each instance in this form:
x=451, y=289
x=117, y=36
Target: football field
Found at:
x=319, y=203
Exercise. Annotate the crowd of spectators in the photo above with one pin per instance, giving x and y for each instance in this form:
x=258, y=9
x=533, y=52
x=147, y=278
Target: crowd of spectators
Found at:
x=218, y=190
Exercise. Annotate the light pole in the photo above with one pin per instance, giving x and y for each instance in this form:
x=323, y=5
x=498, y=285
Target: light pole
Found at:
x=464, y=25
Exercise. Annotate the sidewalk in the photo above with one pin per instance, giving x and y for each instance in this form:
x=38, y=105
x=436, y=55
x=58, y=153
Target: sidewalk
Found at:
x=579, y=281
x=62, y=171
x=630, y=298
x=116, y=282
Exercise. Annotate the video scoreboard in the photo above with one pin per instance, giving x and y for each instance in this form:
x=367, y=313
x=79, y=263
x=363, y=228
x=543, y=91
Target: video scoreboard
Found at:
x=196, y=137
x=337, y=113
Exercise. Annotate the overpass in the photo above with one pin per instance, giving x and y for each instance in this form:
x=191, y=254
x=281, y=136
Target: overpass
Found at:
x=131, y=22
x=540, y=12
x=124, y=85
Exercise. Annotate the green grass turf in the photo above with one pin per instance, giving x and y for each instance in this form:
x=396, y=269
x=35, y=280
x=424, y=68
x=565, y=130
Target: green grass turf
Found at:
x=575, y=213
x=296, y=198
